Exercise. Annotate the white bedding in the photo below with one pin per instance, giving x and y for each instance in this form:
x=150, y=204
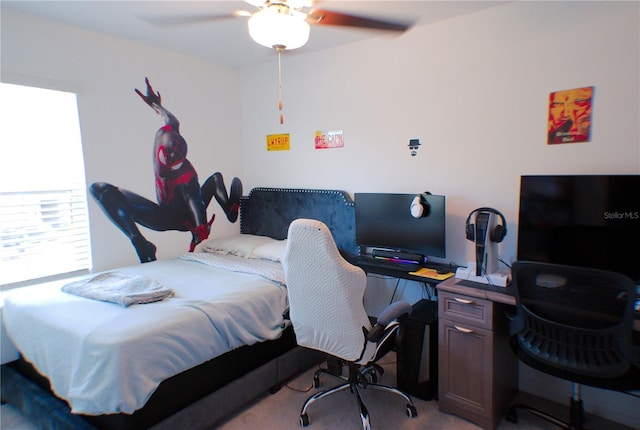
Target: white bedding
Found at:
x=104, y=358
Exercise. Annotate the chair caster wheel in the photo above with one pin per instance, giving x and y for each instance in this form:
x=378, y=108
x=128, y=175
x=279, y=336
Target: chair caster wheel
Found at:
x=511, y=416
x=304, y=420
x=412, y=412
x=316, y=382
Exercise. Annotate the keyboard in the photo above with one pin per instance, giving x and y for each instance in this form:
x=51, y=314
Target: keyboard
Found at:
x=382, y=263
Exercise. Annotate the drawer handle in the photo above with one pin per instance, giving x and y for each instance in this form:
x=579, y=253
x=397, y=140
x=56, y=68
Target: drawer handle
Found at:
x=463, y=330
x=465, y=301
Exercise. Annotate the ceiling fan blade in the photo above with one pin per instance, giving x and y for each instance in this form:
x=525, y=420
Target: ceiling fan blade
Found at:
x=325, y=17
x=178, y=21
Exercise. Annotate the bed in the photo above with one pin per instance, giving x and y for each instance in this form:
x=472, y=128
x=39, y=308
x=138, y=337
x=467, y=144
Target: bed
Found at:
x=216, y=339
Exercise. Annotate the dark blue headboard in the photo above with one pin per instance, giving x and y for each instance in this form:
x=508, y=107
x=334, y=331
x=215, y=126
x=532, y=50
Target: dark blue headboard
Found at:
x=269, y=211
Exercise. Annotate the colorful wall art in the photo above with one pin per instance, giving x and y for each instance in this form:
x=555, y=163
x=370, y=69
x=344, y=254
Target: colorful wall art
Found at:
x=329, y=139
x=181, y=201
x=570, y=116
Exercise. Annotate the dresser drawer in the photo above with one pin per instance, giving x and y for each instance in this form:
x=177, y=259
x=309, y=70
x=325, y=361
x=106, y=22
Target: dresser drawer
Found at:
x=466, y=309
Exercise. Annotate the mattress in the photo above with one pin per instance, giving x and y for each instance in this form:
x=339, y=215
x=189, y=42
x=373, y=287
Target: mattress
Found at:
x=103, y=358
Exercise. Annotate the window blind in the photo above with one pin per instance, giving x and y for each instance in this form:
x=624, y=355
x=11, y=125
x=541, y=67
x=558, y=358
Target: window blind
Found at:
x=44, y=233
x=44, y=227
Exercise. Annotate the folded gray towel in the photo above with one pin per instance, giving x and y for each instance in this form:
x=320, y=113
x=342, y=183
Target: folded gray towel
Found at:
x=119, y=288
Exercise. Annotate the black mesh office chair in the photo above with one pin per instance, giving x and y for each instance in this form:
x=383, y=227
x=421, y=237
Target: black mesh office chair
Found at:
x=577, y=324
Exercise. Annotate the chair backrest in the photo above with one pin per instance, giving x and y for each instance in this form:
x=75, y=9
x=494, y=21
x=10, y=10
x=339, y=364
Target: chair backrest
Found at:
x=326, y=292
x=577, y=320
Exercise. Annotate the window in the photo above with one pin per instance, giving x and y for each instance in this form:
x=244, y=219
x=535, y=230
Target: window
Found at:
x=44, y=228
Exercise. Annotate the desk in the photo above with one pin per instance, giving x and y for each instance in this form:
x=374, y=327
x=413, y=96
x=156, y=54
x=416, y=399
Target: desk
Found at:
x=403, y=273
x=505, y=295
x=478, y=372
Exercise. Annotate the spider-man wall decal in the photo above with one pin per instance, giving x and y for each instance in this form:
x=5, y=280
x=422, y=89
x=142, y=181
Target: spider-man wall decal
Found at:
x=182, y=203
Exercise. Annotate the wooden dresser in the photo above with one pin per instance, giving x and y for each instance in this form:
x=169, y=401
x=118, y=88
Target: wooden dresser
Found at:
x=478, y=372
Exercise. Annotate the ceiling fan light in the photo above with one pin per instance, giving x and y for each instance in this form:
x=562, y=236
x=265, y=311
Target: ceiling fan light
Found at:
x=273, y=29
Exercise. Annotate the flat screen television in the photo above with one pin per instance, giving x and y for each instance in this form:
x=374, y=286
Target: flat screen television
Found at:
x=384, y=221
x=581, y=220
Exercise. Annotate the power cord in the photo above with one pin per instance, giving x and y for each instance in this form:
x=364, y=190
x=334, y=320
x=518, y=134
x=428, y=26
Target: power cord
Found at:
x=504, y=262
x=394, y=290
x=302, y=390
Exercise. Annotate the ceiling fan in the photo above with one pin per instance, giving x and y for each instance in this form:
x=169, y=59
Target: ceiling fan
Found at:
x=285, y=25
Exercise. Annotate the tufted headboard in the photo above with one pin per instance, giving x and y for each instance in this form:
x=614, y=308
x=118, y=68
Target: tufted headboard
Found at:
x=269, y=211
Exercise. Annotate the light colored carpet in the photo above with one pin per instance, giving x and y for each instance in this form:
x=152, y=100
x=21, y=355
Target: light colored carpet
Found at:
x=281, y=411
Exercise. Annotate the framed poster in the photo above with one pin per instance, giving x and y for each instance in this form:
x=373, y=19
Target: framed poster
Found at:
x=570, y=116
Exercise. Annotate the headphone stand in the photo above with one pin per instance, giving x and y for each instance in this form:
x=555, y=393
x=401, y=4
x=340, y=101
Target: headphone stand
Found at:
x=486, y=228
x=499, y=278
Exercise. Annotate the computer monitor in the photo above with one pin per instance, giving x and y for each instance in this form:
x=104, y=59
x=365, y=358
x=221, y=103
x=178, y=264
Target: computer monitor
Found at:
x=384, y=221
x=581, y=220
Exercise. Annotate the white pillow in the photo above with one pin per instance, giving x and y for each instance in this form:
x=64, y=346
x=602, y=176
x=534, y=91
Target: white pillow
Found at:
x=242, y=245
x=271, y=251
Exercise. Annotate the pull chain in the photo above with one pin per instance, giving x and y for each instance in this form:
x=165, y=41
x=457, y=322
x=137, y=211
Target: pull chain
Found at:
x=279, y=49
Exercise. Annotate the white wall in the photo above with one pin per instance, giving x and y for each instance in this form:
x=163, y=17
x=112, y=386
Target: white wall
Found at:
x=118, y=127
x=473, y=89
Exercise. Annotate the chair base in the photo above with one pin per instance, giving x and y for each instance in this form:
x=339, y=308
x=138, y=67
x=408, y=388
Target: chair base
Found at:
x=359, y=377
x=576, y=415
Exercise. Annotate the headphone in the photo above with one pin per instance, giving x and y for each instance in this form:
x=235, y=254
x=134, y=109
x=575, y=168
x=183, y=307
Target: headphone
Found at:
x=497, y=234
x=420, y=207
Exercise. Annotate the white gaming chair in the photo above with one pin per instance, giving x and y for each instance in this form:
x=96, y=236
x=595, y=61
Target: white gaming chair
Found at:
x=327, y=313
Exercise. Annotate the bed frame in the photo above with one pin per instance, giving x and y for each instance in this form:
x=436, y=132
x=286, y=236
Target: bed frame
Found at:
x=209, y=393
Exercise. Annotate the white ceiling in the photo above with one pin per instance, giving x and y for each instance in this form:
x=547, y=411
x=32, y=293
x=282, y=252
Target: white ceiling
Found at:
x=226, y=41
